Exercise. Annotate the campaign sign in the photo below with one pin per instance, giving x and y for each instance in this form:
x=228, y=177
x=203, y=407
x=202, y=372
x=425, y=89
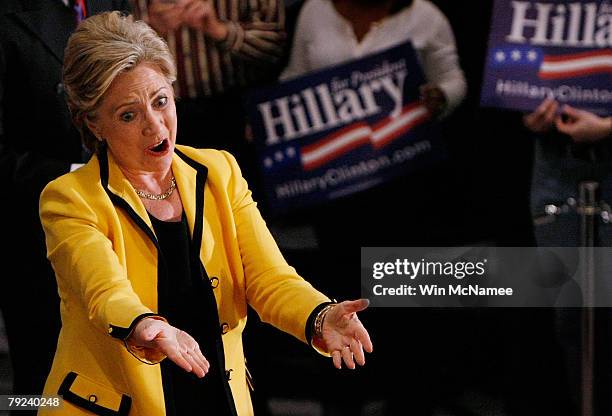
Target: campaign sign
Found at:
x=342, y=130
x=549, y=49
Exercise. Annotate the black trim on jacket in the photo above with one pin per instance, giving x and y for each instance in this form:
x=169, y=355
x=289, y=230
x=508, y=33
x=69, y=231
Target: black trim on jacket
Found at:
x=89, y=403
x=311, y=318
x=122, y=333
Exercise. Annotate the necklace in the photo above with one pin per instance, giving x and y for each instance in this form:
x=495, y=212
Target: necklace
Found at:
x=159, y=197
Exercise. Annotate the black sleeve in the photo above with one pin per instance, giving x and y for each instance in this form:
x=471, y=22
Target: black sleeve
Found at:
x=124, y=333
x=24, y=170
x=311, y=318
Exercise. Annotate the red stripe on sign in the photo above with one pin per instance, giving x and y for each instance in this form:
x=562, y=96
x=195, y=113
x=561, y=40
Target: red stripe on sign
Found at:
x=391, y=129
x=408, y=107
x=576, y=56
x=600, y=69
x=335, y=145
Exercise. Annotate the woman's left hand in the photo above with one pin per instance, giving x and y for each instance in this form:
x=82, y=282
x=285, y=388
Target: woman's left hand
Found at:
x=343, y=334
x=583, y=126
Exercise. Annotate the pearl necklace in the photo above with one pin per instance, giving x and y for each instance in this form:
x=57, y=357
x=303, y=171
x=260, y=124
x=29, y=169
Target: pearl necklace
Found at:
x=159, y=197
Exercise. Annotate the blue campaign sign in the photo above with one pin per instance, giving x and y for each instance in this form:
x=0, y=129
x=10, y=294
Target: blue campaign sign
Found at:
x=549, y=49
x=342, y=130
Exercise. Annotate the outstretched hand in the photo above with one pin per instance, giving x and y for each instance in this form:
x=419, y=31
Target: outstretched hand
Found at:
x=177, y=345
x=344, y=336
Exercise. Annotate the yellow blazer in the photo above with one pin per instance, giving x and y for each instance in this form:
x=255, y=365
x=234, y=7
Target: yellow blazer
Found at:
x=103, y=249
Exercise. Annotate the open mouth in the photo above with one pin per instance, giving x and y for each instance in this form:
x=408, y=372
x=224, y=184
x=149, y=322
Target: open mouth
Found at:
x=160, y=147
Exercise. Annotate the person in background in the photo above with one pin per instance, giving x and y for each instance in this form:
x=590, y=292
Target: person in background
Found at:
x=330, y=32
x=38, y=143
x=221, y=49
x=158, y=249
x=410, y=210
x=574, y=146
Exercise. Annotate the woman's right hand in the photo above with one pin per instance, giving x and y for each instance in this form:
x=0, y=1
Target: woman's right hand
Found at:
x=434, y=99
x=543, y=117
x=177, y=345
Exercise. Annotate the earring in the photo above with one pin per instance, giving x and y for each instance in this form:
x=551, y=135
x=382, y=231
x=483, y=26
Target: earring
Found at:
x=101, y=142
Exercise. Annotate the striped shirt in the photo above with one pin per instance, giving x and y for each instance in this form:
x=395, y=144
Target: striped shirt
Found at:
x=205, y=67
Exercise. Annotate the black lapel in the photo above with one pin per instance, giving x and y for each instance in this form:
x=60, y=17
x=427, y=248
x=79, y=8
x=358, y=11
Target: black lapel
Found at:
x=49, y=20
x=122, y=203
x=202, y=174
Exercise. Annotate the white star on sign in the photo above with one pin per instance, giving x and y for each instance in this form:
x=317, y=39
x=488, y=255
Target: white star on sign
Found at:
x=500, y=56
x=516, y=55
x=532, y=55
x=268, y=162
x=290, y=152
x=278, y=156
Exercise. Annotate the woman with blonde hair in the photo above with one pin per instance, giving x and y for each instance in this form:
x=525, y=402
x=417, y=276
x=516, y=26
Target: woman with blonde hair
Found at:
x=158, y=249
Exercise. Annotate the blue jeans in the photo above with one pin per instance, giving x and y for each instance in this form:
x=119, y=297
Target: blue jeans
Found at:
x=558, y=170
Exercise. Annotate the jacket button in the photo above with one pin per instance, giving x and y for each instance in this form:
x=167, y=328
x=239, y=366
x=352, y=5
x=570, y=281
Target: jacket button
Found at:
x=224, y=328
x=228, y=377
x=214, y=282
x=92, y=398
x=59, y=88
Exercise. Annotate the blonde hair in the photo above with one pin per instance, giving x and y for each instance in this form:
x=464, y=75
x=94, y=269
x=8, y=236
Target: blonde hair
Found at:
x=102, y=47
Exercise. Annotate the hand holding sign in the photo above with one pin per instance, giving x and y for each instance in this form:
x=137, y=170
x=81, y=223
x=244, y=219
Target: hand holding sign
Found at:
x=583, y=126
x=433, y=98
x=542, y=119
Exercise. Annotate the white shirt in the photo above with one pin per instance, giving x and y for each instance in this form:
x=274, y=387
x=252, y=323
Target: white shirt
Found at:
x=324, y=38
